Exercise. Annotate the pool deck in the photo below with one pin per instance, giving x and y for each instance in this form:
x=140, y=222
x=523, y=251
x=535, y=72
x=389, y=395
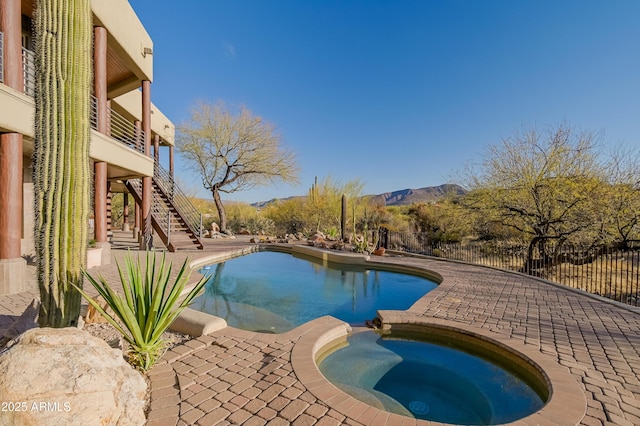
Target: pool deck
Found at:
x=237, y=377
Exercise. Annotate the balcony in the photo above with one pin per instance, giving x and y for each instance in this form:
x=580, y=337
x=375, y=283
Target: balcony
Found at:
x=114, y=147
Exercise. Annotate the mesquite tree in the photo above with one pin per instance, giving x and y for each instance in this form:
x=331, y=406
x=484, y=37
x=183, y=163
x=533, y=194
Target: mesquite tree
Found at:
x=232, y=152
x=61, y=171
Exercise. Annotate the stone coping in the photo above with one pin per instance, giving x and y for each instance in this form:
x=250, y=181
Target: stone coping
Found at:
x=566, y=404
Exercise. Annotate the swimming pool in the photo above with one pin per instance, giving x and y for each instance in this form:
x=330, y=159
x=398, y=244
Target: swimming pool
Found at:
x=275, y=292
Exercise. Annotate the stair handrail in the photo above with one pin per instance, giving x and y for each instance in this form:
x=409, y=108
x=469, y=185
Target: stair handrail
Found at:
x=159, y=210
x=190, y=214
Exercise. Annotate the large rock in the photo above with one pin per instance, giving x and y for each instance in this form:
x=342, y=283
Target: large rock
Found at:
x=68, y=377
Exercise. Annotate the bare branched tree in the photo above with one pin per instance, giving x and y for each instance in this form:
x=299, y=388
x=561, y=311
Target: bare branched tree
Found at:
x=233, y=152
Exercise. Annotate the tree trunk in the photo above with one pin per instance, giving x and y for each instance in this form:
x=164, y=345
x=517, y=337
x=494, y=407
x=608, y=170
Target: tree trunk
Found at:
x=220, y=207
x=61, y=171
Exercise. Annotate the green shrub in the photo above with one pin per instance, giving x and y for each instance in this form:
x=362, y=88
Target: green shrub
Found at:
x=149, y=305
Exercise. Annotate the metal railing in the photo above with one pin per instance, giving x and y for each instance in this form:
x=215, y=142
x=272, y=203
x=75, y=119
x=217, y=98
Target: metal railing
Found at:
x=608, y=271
x=189, y=213
x=118, y=127
x=159, y=210
x=29, y=72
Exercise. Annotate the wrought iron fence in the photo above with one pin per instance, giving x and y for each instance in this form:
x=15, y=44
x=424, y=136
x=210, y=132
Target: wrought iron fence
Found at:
x=609, y=271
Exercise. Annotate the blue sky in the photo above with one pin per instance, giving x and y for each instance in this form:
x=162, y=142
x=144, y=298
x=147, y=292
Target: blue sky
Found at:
x=399, y=94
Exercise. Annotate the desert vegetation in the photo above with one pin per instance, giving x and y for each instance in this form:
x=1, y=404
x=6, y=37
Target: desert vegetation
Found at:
x=552, y=203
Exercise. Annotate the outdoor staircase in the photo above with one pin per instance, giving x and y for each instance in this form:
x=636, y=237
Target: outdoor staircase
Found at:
x=174, y=219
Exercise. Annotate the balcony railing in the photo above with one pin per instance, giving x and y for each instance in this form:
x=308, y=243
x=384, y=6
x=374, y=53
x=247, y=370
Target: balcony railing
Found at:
x=29, y=72
x=119, y=128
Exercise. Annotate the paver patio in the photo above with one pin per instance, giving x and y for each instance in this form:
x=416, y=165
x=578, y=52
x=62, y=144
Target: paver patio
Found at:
x=238, y=377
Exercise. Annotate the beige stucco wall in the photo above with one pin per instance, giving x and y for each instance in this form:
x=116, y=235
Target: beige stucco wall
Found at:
x=103, y=148
x=17, y=111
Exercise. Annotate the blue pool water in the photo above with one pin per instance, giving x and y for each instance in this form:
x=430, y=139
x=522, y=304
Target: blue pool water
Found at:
x=276, y=292
x=428, y=381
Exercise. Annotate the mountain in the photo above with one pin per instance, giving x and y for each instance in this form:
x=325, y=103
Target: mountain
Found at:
x=403, y=197
x=409, y=196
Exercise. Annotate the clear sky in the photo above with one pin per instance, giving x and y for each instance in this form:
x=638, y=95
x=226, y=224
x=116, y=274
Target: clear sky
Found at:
x=399, y=94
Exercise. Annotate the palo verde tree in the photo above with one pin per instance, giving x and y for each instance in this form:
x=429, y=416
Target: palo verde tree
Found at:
x=233, y=152
x=620, y=205
x=542, y=185
x=61, y=172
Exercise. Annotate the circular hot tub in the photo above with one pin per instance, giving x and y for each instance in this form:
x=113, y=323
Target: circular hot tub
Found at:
x=432, y=370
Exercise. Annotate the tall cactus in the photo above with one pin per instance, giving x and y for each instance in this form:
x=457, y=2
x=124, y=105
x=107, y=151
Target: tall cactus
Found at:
x=61, y=171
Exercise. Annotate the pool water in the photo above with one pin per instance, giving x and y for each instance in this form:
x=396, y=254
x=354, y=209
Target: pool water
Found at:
x=276, y=292
x=428, y=381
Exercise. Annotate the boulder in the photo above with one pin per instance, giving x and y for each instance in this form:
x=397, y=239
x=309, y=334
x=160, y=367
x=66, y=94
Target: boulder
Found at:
x=68, y=377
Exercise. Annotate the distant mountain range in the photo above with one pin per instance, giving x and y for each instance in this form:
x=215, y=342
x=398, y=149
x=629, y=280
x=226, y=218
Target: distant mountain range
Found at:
x=429, y=194
x=403, y=197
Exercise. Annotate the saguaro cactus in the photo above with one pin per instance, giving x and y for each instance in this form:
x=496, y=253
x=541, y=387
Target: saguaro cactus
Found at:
x=61, y=169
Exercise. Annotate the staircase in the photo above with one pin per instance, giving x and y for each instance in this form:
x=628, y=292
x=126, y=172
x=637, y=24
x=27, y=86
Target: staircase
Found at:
x=176, y=221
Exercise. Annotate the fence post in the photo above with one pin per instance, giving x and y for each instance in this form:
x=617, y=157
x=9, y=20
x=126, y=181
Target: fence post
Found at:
x=200, y=225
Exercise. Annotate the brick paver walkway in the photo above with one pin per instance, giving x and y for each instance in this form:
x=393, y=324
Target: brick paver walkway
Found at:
x=239, y=377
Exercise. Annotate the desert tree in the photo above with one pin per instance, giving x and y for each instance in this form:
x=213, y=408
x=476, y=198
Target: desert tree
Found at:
x=541, y=184
x=61, y=172
x=620, y=204
x=233, y=151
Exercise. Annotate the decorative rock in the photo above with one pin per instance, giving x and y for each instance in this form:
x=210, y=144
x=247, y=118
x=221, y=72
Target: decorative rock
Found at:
x=215, y=227
x=68, y=377
x=338, y=245
x=95, y=317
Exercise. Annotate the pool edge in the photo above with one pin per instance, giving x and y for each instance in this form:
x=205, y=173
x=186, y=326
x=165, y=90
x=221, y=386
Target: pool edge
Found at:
x=566, y=405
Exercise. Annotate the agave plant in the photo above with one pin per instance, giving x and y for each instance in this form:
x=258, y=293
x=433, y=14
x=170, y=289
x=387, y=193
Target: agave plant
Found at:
x=151, y=302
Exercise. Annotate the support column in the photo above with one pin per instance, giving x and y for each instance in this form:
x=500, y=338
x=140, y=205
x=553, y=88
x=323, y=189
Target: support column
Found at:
x=100, y=190
x=171, y=161
x=12, y=265
x=11, y=26
x=156, y=149
x=125, y=212
x=136, y=221
x=146, y=243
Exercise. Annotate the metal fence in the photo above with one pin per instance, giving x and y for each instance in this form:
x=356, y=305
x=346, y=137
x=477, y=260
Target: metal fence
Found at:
x=608, y=271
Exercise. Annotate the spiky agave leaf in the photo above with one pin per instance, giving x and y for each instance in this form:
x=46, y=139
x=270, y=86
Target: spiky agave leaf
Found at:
x=148, y=306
